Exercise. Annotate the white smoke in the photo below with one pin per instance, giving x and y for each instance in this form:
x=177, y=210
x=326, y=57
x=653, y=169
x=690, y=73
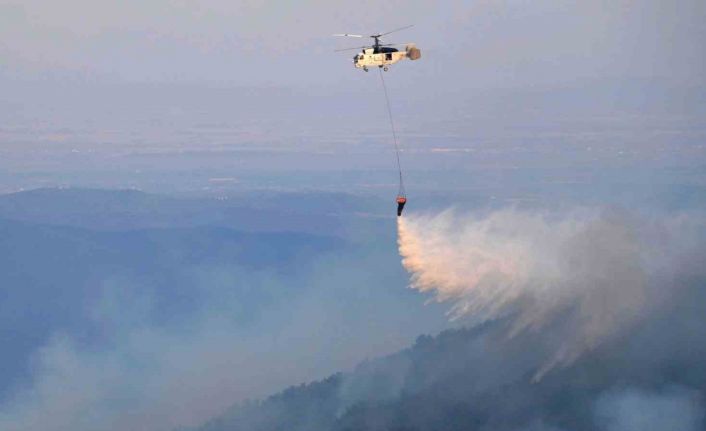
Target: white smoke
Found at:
x=675, y=409
x=587, y=270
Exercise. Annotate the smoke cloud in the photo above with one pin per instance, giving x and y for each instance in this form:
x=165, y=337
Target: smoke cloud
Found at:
x=588, y=320
x=588, y=270
x=676, y=408
x=159, y=377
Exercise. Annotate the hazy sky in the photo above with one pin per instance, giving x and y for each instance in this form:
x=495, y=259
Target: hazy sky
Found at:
x=244, y=43
x=82, y=77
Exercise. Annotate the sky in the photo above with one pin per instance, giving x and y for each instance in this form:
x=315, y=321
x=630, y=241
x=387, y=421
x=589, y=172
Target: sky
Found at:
x=275, y=43
x=90, y=87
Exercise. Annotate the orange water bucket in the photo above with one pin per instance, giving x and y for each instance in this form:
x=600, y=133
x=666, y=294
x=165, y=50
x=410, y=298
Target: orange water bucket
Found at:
x=401, y=200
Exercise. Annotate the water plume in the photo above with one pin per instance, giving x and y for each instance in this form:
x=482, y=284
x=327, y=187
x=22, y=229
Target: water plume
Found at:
x=580, y=278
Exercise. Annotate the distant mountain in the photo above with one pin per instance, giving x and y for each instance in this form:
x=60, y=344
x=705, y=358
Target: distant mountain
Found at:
x=478, y=379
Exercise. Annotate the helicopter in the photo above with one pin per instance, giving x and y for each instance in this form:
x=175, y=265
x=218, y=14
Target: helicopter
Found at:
x=379, y=54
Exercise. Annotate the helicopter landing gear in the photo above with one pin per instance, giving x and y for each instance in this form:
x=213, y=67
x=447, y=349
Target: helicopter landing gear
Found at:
x=385, y=68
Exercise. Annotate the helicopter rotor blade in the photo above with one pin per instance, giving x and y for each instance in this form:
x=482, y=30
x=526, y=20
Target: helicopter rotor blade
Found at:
x=392, y=31
x=349, y=35
x=350, y=49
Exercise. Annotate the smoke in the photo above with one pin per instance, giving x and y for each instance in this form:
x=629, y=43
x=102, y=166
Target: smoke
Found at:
x=588, y=271
x=159, y=376
x=610, y=302
x=675, y=409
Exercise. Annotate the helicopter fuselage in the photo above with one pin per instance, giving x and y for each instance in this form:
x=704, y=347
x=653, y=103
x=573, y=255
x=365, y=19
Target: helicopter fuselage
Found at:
x=371, y=57
x=381, y=54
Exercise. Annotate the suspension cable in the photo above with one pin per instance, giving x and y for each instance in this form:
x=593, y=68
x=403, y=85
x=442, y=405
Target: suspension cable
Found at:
x=394, y=133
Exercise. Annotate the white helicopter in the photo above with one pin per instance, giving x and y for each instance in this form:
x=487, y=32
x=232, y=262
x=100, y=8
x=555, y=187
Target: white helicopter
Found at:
x=381, y=54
